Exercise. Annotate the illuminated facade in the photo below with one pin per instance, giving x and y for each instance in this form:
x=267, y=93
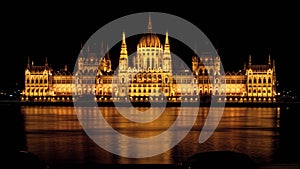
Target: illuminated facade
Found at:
x=150, y=76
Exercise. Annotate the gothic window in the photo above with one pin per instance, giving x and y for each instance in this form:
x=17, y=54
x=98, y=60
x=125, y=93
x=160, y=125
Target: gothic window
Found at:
x=259, y=80
x=269, y=80
x=250, y=80
x=211, y=71
x=264, y=81
x=254, y=81
x=205, y=72
x=166, y=80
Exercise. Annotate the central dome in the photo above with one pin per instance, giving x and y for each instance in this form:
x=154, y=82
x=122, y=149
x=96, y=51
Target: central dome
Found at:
x=149, y=40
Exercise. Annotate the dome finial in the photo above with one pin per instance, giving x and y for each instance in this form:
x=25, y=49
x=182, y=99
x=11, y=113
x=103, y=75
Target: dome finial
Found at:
x=149, y=24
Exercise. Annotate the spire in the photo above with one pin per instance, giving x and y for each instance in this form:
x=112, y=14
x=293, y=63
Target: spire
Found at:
x=46, y=61
x=28, y=62
x=123, y=47
x=273, y=65
x=81, y=49
x=149, y=24
x=66, y=67
x=250, y=62
x=107, y=52
x=167, y=45
x=102, y=49
x=88, y=49
x=269, y=60
x=167, y=38
x=123, y=39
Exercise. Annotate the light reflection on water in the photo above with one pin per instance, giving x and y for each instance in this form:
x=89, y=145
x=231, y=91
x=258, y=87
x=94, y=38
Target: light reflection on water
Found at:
x=56, y=136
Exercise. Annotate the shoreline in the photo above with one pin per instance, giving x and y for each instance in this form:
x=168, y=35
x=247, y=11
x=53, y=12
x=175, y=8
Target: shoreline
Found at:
x=147, y=104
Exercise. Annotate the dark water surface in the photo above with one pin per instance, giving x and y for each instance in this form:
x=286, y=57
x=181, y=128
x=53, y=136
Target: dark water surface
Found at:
x=54, y=134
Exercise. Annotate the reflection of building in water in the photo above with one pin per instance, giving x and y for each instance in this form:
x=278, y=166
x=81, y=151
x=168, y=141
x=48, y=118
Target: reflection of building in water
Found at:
x=150, y=76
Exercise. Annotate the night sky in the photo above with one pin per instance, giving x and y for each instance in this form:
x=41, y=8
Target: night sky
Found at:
x=57, y=31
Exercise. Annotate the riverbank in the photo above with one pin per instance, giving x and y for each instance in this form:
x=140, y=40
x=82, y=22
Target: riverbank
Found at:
x=148, y=104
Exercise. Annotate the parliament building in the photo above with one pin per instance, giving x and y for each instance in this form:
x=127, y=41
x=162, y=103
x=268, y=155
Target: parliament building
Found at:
x=149, y=75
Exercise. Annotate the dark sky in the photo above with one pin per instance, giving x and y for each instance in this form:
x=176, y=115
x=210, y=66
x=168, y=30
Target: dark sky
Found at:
x=56, y=31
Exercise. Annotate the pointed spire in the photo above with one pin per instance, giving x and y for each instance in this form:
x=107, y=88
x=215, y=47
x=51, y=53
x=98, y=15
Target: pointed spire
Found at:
x=81, y=49
x=66, y=67
x=88, y=49
x=250, y=61
x=46, y=61
x=149, y=24
x=28, y=62
x=107, y=52
x=167, y=38
x=167, y=45
x=123, y=47
x=123, y=39
x=102, y=49
x=273, y=65
x=269, y=60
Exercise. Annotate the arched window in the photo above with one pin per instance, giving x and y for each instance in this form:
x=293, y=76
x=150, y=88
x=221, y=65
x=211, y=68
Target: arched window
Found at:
x=36, y=81
x=259, y=80
x=211, y=72
x=269, y=80
x=250, y=80
x=27, y=81
x=264, y=81
x=205, y=72
x=254, y=81
x=148, y=62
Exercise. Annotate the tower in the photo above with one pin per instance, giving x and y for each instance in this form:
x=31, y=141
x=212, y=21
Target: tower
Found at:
x=123, y=66
x=167, y=60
